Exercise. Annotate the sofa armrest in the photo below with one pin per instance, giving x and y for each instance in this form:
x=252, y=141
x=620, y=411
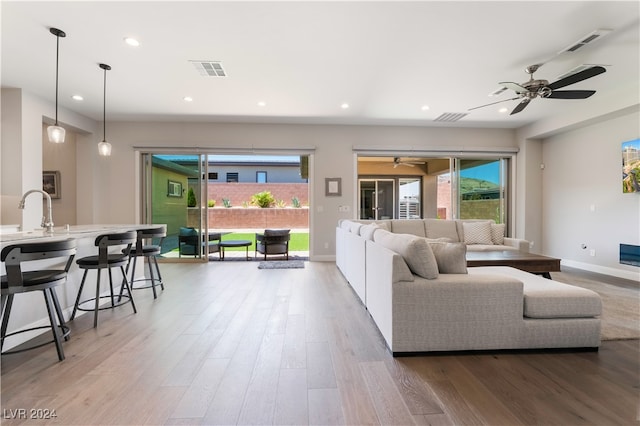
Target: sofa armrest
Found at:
x=518, y=243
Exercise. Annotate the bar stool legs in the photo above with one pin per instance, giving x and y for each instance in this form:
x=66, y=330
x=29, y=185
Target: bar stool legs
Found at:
x=97, y=298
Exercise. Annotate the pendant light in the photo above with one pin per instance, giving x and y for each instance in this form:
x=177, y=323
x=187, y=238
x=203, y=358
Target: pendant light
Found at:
x=55, y=132
x=104, y=147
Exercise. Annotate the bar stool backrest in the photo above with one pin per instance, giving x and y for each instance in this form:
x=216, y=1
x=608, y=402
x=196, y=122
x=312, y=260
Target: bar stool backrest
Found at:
x=13, y=255
x=149, y=233
x=104, y=241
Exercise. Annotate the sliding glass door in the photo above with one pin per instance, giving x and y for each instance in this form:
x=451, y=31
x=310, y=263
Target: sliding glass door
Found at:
x=377, y=198
x=481, y=185
x=173, y=192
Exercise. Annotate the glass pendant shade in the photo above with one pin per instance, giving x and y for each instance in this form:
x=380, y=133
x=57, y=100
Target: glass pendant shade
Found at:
x=104, y=148
x=56, y=134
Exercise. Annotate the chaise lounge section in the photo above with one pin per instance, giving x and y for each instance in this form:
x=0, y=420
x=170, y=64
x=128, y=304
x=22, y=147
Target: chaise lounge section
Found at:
x=423, y=298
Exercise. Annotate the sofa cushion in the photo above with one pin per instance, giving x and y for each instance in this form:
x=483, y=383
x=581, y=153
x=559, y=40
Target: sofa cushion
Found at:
x=408, y=226
x=497, y=233
x=544, y=298
x=276, y=232
x=414, y=250
x=450, y=257
x=477, y=232
x=366, y=231
x=438, y=228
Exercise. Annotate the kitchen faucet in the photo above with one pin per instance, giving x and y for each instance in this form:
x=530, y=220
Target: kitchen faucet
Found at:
x=49, y=222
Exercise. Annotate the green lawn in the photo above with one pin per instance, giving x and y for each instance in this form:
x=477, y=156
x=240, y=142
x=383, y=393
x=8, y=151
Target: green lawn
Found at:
x=299, y=240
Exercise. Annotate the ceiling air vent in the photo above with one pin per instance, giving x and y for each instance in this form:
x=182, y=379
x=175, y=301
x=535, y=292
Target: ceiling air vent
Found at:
x=451, y=116
x=589, y=38
x=209, y=68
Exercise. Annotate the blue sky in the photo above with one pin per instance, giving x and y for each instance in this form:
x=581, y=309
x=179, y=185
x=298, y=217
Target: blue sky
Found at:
x=489, y=172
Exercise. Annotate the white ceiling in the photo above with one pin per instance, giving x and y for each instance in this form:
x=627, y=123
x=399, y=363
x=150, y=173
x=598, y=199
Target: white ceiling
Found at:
x=304, y=59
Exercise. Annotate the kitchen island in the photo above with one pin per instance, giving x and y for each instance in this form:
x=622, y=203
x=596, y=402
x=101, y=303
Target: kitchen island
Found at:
x=28, y=310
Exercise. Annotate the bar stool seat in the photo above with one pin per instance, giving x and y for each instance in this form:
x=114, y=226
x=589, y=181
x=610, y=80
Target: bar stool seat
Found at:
x=18, y=281
x=106, y=260
x=149, y=252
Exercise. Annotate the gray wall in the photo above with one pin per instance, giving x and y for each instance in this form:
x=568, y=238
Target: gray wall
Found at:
x=582, y=200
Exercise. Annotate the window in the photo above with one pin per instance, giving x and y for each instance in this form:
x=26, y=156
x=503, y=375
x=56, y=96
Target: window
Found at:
x=232, y=177
x=261, y=177
x=174, y=189
x=213, y=175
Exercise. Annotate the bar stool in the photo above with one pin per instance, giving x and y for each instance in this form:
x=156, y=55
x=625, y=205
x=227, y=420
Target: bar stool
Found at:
x=106, y=260
x=19, y=281
x=149, y=251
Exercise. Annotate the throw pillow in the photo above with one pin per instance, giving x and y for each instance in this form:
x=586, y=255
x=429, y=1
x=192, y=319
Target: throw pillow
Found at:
x=366, y=231
x=276, y=232
x=414, y=250
x=355, y=228
x=477, y=232
x=451, y=257
x=440, y=228
x=497, y=233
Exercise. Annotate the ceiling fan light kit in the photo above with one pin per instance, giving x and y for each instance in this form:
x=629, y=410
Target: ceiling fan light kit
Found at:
x=56, y=133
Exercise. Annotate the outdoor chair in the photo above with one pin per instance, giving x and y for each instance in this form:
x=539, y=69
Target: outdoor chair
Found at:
x=273, y=242
x=188, y=242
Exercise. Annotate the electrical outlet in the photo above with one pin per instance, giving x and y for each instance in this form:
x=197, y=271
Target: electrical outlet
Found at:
x=592, y=252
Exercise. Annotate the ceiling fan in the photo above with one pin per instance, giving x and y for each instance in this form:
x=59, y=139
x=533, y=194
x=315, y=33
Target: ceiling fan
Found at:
x=399, y=162
x=542, y=88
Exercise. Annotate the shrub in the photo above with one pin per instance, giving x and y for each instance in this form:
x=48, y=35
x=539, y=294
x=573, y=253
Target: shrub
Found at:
x=281, y=203
x=211, y=203
x=226, y=202
x=263, y=199
x=295, y=202
x=191, y=198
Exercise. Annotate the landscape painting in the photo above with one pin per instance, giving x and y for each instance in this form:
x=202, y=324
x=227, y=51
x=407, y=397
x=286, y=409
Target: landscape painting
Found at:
x=631, y=166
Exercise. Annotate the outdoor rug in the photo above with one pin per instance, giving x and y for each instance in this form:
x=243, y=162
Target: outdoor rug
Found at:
x=281, y=264
x=620, y=317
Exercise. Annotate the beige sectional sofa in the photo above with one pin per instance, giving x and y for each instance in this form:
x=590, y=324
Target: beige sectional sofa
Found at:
x=399, y=279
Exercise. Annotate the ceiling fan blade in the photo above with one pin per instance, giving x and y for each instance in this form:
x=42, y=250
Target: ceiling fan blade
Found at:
x=571, y=94
x=514, y=86
x=577, y=77
x=493, y=103
x=522, y=105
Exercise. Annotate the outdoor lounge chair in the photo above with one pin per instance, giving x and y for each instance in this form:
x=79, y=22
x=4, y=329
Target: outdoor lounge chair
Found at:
x=273, y=242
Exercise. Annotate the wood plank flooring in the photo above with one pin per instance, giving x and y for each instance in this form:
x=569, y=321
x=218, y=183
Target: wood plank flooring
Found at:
x=227, y=343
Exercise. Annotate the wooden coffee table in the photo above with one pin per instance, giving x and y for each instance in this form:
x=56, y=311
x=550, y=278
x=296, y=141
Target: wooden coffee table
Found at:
x=534, y=263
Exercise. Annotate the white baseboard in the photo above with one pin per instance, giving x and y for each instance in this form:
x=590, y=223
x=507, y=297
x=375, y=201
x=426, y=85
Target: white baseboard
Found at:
x=605, y=270
x=323, y=258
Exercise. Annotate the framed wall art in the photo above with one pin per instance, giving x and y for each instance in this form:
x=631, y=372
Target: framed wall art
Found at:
x=51, y=183
x=333, y=187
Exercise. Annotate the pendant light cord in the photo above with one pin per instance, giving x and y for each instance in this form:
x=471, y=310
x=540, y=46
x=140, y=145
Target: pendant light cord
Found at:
x=104, y=108
x=57, y=55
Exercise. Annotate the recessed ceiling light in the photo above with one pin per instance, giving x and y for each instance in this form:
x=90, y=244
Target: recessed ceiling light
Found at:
x=77, y=98
x=344, y=106
x=262, y=103
x=187, y=99
x=131, y=41
x=503, y=110
x=425, y=107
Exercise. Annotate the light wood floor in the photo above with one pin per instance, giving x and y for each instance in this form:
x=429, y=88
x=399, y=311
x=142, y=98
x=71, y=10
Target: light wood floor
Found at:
x=227, y=343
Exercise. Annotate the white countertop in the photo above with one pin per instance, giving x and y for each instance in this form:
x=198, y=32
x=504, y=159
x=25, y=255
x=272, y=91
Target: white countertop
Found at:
x=61, y=232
